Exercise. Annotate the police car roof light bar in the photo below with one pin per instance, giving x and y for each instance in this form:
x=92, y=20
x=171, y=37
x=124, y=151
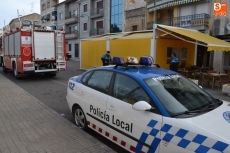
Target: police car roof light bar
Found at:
x=147, y=61
x=144, y=60
x=119, y=61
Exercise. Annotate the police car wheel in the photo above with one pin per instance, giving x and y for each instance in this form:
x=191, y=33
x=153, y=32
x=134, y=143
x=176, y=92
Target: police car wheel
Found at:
x=79, y=118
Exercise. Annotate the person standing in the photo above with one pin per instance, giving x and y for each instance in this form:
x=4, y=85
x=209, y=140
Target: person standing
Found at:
x=174, y=63
x=106, y=58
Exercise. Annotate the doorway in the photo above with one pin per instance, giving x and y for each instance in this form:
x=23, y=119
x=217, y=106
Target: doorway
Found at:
x=203, y=56
x=76, y=50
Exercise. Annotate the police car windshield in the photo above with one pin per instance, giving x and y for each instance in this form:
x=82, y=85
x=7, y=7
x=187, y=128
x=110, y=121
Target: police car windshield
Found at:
x=178, y=94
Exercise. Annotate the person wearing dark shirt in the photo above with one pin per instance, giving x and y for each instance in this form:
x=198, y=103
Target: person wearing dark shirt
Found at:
x=174, y=63
x=106, y=58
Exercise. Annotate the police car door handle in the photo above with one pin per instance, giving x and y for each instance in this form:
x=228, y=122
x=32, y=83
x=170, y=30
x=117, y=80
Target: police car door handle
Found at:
x=111, y=107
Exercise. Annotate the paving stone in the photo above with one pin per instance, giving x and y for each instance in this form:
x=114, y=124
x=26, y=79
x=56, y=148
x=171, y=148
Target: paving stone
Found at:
x=27, y=125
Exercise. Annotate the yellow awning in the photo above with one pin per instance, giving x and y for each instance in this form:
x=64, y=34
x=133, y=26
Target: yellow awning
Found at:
x=138, y=35
x=103, y=37
x=212, y=42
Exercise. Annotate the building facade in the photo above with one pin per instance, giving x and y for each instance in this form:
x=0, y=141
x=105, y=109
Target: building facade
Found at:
x=15, y=23
x=68, y=20
x=191, y=14
x=197, y=15
x=134, y=15
x=49, y=13
x=80, y=19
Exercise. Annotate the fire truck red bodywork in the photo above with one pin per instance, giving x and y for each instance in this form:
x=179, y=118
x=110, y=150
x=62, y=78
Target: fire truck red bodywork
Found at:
x=25, y=51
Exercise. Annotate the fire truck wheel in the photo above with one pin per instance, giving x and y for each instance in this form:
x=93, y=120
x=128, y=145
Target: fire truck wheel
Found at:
x=15, y=71
x=4, y=68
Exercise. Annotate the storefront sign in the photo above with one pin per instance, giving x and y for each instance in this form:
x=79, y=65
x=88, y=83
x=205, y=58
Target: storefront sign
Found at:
x=220, y=9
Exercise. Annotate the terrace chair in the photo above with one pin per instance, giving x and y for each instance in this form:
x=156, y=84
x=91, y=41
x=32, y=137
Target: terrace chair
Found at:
x=205, y=78
x=223, y=80
x=192, y=71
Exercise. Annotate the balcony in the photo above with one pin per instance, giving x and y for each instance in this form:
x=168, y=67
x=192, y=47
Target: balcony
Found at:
x=96, y=13
x=150, y=1
x=71, y=35
x=94, y=32
x=196, y=21
x=71, y=19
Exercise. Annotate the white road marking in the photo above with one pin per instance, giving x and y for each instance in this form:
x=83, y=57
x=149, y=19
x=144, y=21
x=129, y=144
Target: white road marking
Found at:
x=59, y=82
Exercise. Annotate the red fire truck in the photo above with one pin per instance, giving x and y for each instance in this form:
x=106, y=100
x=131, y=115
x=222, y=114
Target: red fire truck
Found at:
x=33, y=49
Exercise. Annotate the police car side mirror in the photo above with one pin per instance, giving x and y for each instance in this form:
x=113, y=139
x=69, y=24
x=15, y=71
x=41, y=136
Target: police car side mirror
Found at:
x=141, y=106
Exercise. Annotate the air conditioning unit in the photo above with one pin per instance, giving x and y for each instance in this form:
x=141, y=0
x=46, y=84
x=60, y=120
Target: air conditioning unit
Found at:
x=219, y=26
x=228, y=28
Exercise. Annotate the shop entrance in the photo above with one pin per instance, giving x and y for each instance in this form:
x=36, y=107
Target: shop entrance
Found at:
x=203, y=56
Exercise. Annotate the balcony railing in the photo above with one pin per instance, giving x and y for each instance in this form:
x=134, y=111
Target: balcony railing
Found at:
x=97, y=12
x=94, y=32
x=150, y=1
x=183, y=21
x=71, y=19
x=71, y=34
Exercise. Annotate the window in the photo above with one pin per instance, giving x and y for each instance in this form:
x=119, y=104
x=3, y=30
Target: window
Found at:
x=70, y=14
x=74, y=12
x=134, y=28
x=85, y=8
x=86, y=77
x=70, y=29
x=76, y=50
x=99, y=4
x=100, y=81
x=99, y=24
x=128, y=90
x=70, y=47
x=84, y=26
x=43, y=7
x=75, y=28
x=48, y=4
x=60, y=16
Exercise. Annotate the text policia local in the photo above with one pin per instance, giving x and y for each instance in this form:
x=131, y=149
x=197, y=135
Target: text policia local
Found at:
x=126, y=126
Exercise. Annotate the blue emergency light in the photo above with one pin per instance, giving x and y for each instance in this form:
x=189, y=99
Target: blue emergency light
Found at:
x=119, y=61
x=145, y=60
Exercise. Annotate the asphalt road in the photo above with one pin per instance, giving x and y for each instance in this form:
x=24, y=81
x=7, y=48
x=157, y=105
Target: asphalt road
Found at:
x=52, y=92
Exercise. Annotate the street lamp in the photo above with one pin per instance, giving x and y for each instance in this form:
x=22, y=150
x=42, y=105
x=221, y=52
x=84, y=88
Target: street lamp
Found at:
x=83, y=15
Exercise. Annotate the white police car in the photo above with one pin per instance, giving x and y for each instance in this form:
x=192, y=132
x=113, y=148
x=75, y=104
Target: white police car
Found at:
x=144, y=108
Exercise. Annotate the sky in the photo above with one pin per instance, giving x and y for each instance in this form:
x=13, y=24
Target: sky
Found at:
x=8, y=9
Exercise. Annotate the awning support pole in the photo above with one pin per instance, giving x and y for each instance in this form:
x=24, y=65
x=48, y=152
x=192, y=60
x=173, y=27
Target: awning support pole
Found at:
x=107, y=43
x=153, y=44
x=195, y=54
x=80, y=56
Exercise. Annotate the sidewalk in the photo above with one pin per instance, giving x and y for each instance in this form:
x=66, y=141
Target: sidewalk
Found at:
x=27, y=126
